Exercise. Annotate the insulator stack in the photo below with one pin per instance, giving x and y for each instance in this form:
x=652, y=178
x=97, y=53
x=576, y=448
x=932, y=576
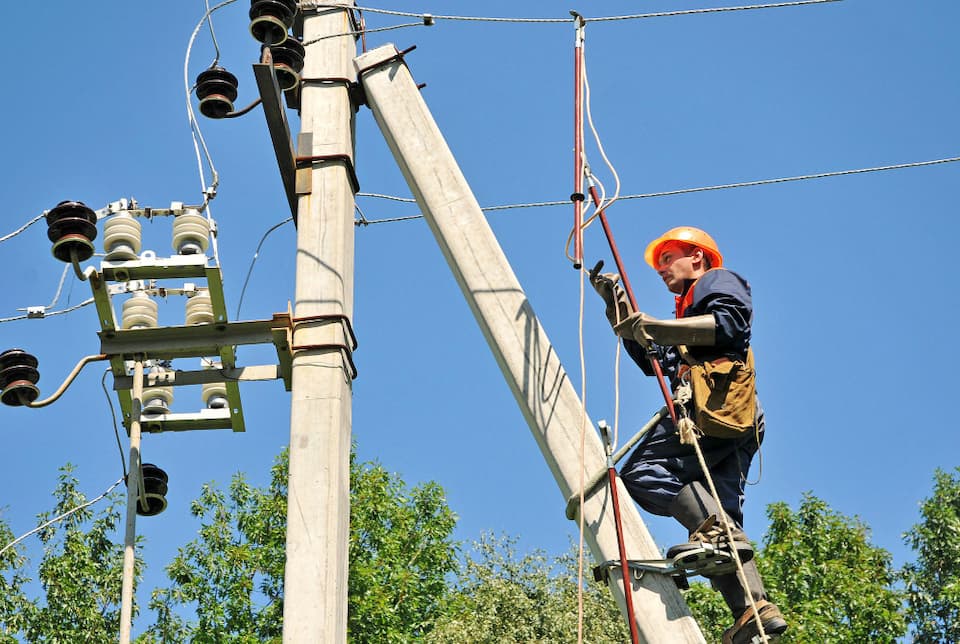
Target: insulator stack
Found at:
x=271, y=19
x=157, y=400
x=288, y=62
x=216, y=91
x=72, y=227
x=199, y=309
x=139, y=312
x=121, y=237
x=155, y=481
x=18, y=377
x=191, y=233
x=214, y=395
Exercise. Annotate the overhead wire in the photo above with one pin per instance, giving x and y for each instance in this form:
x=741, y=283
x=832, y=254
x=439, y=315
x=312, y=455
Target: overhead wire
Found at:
x=208, y=191
x=364, y=31
x=69, y=309
x=21, y=228
x=61, y=517
x=637, y=16
x=670, y=193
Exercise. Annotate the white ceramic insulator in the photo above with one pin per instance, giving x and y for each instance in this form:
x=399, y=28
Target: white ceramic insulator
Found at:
x=199, y=309
x=139, y=312
x=157, y=400
x=191, y=233
x=214, y=395
x=121, y=237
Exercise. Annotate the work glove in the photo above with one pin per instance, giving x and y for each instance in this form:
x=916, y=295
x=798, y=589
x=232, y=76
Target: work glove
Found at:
x=698, y=330
x=634, y=328
x=605, y=284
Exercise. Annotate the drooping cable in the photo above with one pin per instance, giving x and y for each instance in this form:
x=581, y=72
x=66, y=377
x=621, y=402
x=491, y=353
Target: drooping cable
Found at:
x=253, y=261
x=581, y=461
x=213, y=35
x=56, y=296
x=113, y=418
x=61, y=517
x=198, y=141
x=21, y=228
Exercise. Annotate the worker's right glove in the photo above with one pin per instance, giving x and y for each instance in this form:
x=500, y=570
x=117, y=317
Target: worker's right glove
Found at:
x=618, y=306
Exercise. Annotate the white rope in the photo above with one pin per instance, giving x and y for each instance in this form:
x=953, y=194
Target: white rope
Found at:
x=741, y=573
x=59, y=518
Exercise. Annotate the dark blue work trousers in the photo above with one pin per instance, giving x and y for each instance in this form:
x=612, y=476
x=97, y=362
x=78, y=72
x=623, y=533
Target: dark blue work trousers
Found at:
x=660, y=466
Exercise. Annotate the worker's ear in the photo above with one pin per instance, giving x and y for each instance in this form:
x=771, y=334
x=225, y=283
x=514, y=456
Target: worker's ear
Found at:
x=698, y=256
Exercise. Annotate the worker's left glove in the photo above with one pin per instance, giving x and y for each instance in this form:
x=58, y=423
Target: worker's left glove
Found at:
x=634, y=328
x=698, y=330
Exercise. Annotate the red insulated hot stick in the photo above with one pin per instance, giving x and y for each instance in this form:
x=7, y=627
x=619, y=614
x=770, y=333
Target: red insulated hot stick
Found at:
x=624, y=563
x=658, y=372
x=577, y=196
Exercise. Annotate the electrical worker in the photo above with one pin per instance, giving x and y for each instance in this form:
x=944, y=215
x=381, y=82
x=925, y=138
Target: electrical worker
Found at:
x=663, y=475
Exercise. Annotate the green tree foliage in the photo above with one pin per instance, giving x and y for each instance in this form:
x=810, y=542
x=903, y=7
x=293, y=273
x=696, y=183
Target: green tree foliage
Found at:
x=80, y=574
x=231, y=575
x=501, y=597
x=933, y=581
x=821, y=570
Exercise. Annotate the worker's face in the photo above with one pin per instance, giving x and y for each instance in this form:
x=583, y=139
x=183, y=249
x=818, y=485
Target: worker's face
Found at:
x=679, y=262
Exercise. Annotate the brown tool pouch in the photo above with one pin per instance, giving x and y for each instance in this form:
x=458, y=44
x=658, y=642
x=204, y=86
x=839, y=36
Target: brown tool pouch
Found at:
x=724, y=395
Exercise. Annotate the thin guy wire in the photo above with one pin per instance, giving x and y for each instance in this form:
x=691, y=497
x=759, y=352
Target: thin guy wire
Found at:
x=254, y=260
x=684, y=191
x=637, y=16
x=364, y=31
x=113, y=417
x=59, y=518
x=21, y=228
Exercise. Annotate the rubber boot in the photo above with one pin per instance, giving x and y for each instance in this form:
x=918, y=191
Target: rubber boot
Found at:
x=744, y=629
x=695, y=508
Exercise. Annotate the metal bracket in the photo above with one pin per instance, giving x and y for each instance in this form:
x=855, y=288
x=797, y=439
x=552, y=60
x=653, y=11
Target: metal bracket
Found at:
x=218, y=339
x=276, y=117
x=345, y=349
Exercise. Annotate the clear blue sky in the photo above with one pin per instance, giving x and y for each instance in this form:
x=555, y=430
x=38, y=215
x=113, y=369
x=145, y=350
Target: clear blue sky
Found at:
x=855, y=305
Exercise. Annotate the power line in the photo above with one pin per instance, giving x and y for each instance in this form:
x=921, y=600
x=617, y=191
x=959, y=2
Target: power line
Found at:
x=638, y=16
x=668, y=193
x=21, y=228
x=70, y=309
x=61, y=517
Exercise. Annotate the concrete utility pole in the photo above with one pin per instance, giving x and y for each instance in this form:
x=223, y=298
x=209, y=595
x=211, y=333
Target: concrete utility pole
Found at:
x=315, y=580
x=529, y=363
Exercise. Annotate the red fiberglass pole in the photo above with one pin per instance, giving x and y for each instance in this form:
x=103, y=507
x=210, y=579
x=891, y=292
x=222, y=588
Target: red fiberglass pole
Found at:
x=577, y=196
x=658, y=372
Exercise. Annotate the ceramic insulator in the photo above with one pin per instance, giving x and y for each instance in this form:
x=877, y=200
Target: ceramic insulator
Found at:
x=157, y=400
x=199, y=309
x=191, y=233
x=121, y=237
x=139, y=312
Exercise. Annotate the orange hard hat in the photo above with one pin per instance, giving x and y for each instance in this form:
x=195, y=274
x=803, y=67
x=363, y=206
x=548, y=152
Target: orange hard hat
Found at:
x=686, y=235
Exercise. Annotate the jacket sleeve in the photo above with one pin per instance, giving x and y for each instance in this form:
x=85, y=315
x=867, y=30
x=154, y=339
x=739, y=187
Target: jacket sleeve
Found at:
x=726, y=296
